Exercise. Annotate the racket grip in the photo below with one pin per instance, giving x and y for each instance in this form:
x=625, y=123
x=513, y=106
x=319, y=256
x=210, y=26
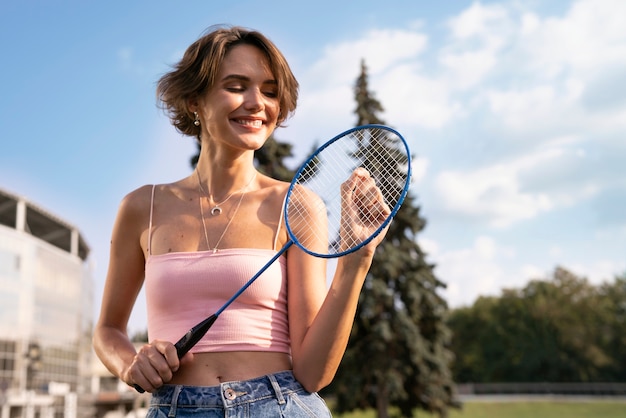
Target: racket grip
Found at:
x=193, y=336
x=188, y=341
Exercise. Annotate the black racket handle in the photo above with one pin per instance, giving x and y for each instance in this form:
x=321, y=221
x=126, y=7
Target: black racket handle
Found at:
x=188, y=341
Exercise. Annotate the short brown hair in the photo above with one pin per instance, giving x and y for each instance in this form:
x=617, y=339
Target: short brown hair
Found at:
x=196, y=72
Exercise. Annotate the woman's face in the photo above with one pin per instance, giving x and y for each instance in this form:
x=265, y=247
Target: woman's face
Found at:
x=241, y=109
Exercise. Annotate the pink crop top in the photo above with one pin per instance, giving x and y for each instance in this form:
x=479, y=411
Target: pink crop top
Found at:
x=184, y=288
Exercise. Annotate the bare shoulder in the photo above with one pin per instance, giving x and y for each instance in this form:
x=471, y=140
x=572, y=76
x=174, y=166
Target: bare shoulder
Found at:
x=267, y=181
x=135, y=202
x=272, y=188
x=140, y=199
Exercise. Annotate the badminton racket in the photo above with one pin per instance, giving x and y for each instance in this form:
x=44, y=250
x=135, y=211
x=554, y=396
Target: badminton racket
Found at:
x=332, y=206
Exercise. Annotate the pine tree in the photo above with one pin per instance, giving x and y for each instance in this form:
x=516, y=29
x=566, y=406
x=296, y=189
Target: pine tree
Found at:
x=270, y=158
x=398, y=352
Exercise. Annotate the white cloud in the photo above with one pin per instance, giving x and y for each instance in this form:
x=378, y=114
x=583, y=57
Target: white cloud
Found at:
x=520, y=188
x=392, y=57
x=479, y=21
x=529, y=108
x=470, y=272
x=420, y=167
x=526, y=69
x=477, y=37
x=494, y=192
x=590, y=36
x=551, y=66
x=486, y=267
x=598, y=271
x=415, y=99
x=533, y=272
x=381, y=49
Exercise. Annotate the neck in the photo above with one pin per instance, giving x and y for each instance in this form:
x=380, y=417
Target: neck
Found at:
x=224, y=174
x=224, y=185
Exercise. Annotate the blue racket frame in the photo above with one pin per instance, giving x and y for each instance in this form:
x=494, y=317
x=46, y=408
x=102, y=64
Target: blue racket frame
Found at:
x=394, y=210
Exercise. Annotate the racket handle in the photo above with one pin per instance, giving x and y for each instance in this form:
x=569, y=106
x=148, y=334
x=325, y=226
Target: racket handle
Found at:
x=193, y=336
x=188, y=341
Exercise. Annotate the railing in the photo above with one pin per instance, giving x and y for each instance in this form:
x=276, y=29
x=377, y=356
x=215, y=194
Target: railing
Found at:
x=547, y=388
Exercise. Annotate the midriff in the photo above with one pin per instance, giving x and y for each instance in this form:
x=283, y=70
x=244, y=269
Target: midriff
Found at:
x=211, y=369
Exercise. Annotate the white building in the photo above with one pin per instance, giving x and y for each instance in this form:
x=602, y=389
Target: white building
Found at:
x=46, y=297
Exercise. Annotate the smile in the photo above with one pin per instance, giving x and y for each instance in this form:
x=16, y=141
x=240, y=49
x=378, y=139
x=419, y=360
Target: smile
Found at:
x=254, y=123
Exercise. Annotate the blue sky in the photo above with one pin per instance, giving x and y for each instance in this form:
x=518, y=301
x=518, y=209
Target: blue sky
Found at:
x=516, y=112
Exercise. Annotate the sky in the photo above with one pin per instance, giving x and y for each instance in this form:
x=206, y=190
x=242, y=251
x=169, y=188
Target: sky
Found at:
x=515, y=112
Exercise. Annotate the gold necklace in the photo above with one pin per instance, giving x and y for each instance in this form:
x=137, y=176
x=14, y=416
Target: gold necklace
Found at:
x=206, y=235
x=217, y=210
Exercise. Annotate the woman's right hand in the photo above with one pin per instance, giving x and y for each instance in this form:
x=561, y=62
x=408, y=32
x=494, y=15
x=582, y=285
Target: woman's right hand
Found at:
x=154, y=365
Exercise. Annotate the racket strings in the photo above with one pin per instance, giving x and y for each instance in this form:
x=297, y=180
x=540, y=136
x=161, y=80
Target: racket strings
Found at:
x=314, y=209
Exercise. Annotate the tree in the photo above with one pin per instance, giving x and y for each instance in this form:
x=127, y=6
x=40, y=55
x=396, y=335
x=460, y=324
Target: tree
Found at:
x=270, y=157
x=612, y=328
x=561, y=329
x=398, y=353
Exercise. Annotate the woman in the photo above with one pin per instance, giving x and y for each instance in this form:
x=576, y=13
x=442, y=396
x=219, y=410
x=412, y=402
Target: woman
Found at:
x=196, y=241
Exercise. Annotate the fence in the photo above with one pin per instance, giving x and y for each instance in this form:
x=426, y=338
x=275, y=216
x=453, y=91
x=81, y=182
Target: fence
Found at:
x=547, y=388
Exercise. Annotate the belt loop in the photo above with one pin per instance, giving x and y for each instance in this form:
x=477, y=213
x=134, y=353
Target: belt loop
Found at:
x=174, y=404
x=277, y=390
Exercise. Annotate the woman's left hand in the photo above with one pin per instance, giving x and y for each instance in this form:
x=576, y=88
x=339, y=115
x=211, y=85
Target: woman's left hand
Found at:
x=363, y=209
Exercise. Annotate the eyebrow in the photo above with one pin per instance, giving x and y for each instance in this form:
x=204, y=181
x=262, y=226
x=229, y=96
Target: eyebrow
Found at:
x=245, y=78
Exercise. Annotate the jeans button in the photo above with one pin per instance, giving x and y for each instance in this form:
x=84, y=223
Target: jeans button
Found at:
x=230, y=394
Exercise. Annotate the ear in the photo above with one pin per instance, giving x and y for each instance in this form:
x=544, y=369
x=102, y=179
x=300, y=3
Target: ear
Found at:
x=192, y=104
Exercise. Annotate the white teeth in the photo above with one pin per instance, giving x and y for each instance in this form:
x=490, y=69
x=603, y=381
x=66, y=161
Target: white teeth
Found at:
x=255, y=123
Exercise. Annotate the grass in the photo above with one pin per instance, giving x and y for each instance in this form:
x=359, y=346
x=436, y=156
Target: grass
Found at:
x=521, y=409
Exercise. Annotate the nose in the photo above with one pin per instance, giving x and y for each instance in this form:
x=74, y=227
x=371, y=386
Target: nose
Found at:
x=254, y=100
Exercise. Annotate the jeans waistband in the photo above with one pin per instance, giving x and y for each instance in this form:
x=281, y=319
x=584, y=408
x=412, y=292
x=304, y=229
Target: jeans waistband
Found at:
x=228, y=394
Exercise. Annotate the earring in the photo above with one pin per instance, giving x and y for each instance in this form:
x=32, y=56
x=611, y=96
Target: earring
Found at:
x=196, y=121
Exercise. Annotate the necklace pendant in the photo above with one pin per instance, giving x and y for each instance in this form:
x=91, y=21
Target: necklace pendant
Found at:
x=214, y=250
x=216, y=211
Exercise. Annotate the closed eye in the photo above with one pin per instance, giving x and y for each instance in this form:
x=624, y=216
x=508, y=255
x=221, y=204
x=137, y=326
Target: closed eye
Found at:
x=236, y=83
x=271, y=93
x=235, y=89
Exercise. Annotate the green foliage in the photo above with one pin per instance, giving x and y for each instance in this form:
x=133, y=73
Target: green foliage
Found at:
x=558, y=330
x=270, y=158
x=368, y=107
x=397, y=357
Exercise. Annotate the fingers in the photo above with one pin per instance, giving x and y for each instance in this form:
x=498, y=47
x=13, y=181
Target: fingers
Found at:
x=153, y=365
x=363, y=209
x=367, y=197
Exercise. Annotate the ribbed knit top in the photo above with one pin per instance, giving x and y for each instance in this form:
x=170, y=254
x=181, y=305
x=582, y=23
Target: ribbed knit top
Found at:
x=184, y=288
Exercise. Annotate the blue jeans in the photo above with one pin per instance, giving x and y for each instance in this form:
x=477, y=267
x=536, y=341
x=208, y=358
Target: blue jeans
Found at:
x=271, y=396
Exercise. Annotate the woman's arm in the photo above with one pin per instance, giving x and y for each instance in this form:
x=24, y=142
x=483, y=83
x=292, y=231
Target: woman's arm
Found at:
x=320, y=320
x=154, y=363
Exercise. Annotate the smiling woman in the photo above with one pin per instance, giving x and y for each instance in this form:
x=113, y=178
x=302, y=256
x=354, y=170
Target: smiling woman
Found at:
x=193, y=76
x=197, y=240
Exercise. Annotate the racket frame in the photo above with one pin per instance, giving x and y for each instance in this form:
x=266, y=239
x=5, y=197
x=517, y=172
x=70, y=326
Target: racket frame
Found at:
x=388, y=219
